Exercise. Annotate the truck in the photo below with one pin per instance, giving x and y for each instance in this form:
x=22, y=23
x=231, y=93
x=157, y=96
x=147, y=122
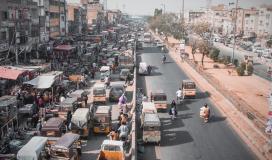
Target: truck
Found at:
x=111, y=150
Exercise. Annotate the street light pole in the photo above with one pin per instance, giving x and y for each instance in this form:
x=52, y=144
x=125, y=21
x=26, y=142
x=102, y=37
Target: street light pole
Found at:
x=235, y=28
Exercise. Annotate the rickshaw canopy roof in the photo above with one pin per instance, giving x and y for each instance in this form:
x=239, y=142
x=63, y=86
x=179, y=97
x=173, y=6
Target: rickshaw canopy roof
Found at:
x=68, y=102
x=104, y=68
x=187, y=81
x=53, y=123
x=7, y=100
x=81, y=116
x=152, y=119
x=66, y=141
x=103, y=109
x=32, y=149
x=158, y=92
x=149, y=107
x=112, y=142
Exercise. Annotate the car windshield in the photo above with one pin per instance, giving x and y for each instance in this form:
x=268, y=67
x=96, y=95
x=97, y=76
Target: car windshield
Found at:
x=99, y=91
x=189, y=85
x=160, y=98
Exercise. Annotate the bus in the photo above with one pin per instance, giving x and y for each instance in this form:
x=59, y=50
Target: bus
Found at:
x=147, y=37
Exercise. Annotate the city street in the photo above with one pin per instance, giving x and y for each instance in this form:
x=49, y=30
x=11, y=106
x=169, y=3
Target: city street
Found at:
x=260, y=67
x=187, y=137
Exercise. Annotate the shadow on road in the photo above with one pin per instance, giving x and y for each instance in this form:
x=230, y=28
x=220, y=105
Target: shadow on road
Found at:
x=167, y=123
x=215, y=118
x=200, y=95
x=171, y=138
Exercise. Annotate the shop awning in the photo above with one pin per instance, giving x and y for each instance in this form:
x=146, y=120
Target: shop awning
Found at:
x=42, y=82
x=64, y=48
x=9, y=73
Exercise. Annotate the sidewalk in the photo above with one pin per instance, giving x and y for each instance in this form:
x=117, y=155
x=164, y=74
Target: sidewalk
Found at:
x=252, y=136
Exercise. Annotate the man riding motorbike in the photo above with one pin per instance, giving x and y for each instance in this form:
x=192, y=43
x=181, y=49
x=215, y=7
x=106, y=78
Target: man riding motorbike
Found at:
x=205, y=113
x=179, y=95
x=163, y=59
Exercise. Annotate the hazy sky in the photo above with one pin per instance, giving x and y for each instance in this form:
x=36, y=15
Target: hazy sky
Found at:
x=148, y=6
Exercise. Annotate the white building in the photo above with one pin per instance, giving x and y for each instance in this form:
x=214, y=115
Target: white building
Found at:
x=264, y=22
x=227, y=26
x=250, y=23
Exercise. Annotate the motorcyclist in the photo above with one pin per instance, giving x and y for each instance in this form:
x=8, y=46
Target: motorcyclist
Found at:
x=205, y=113
x=173, y=110
x=179, y=95
x=107, y=81
x=163, y=59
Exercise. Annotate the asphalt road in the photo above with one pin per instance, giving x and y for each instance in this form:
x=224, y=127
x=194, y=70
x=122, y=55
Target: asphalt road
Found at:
x=260, y=65
x=187, y=137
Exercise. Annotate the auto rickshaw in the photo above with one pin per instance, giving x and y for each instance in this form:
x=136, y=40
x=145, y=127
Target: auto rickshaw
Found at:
x=69, y=104
x=34, y=149
x=188, y=88
x=68, y=147
x=53, y=127
x=104, y=71
x=160, y=99
x=81, y=122
x=151, y=128
x=99, y=94
x=102, y=119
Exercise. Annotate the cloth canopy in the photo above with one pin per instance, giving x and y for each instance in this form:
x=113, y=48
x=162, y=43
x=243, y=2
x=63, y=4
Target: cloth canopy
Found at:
x=32, y=149
x=42, y=82
x=8, y=73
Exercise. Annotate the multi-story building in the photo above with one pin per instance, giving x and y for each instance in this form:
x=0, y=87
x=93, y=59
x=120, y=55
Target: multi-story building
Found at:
x=76, y=16
x=194, y=16
x=113, y=16
x=19, y=24
x=264, y=24
x=57, y=18
x=250, y=22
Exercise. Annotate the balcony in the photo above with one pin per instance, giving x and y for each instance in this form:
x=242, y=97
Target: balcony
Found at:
x=54, y=9
x=54, y=22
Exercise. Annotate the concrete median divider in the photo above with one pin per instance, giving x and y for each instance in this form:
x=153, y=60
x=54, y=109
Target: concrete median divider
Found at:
x=132, y=155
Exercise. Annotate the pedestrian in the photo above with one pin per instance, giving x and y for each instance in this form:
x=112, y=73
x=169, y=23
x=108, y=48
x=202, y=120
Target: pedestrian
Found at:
x=123, y=131
x=149, y=68
x=68, y=120
x=93, y=72
x=128, y=78
x=122, y=102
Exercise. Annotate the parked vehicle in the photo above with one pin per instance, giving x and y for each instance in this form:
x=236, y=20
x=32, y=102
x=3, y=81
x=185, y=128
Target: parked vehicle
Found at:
x=34, y=149
x=111, y=150
x=188, y=88
x=160, y=99
x=81, y=122
x=54, y=127
x=99, y=94
x=143, y=68
x=68, y=147
x=123, y=74
x=102, y=119
x=151, y=128
x=104, y=71
x=116, y=91
x=147, y=107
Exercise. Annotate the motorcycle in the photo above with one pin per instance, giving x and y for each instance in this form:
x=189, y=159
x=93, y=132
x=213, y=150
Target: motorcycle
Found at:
x=205, y=115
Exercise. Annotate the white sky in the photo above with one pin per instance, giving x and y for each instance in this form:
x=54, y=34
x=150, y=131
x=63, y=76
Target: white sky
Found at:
x=143, y=7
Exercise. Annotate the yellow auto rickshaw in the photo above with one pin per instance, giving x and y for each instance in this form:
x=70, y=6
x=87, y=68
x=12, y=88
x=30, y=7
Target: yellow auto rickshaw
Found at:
x=102, y=119
x=81, y=122
x=99, y=94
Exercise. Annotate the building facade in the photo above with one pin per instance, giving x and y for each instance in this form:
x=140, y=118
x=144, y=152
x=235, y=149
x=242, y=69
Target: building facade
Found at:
x=264, y=24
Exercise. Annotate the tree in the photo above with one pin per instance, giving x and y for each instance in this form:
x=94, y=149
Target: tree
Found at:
x=157, y=12
x=214, y=54
x=194, y=45
x=204, y=49
x=202, y=29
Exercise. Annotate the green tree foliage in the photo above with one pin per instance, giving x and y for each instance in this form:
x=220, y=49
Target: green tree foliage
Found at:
x=214, y=54
x=157, y=12
x=204, y=49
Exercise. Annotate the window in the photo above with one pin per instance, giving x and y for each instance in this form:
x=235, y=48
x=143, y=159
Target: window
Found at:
x=3, y=35
x=267, y=16
x=261, y=22
x=267, y=24
x=4, y=15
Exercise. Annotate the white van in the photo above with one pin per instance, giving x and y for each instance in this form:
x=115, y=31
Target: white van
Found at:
x=143, y=68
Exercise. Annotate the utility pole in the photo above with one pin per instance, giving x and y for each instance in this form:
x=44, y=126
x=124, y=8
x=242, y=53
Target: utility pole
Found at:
x=183, y=20
x=235, y=27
